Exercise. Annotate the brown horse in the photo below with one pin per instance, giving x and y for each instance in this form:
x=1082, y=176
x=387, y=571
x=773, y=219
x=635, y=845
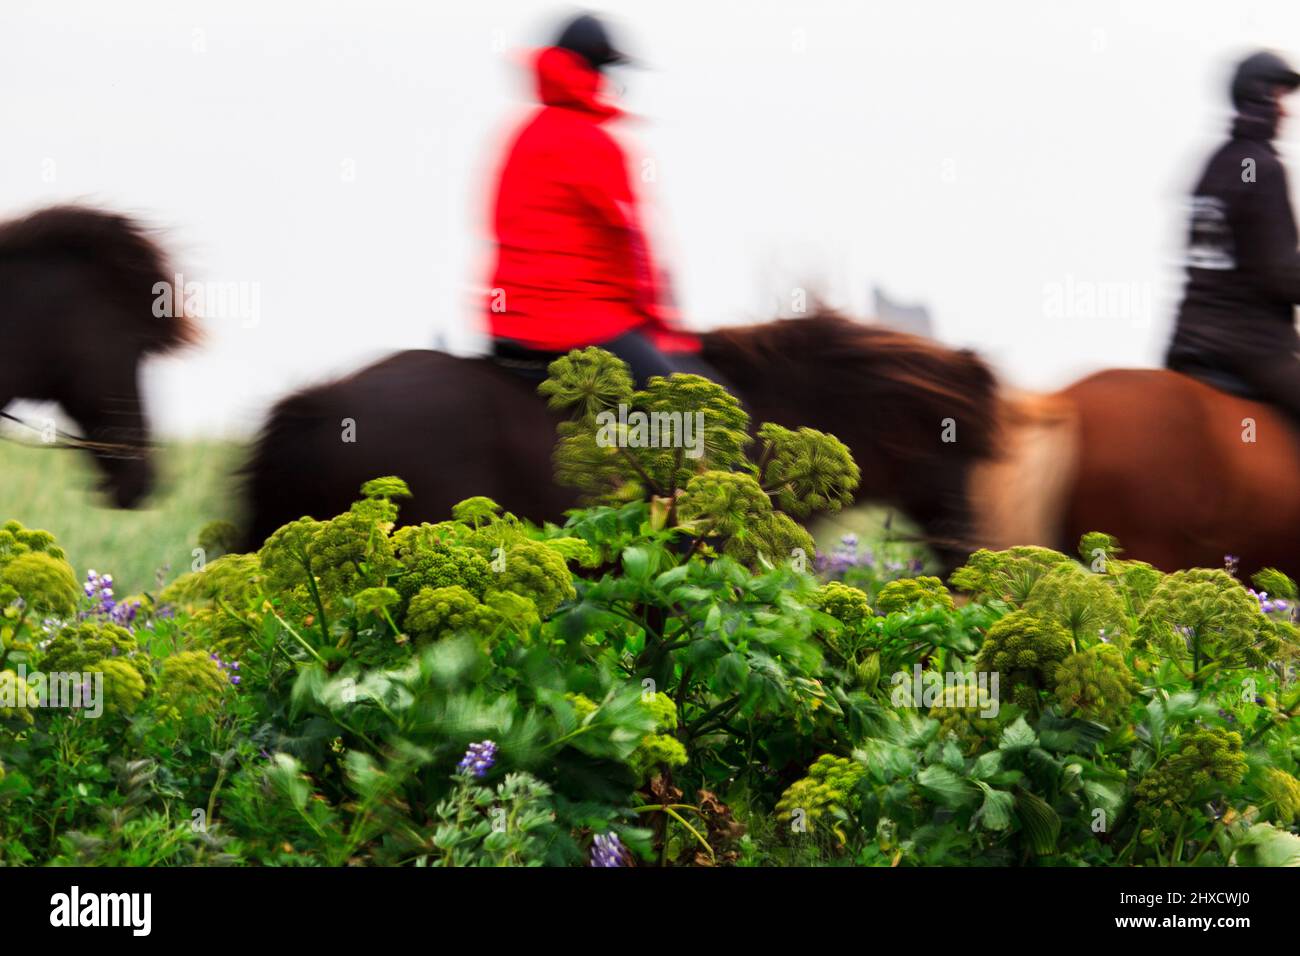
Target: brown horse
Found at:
x=1154, y=458
x=455, y=427
x=1184, y=474
x=76, y=320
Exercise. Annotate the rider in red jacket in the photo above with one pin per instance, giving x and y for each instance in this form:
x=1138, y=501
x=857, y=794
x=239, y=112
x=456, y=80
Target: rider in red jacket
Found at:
x=573, y=265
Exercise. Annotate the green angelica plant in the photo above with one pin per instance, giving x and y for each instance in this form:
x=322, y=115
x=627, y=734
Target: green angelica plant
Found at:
x=680, y=445
x=1026, y=652
x=1208, y=762
x=1008, y=575
x=81, y=648
x=659, y=749
x=1205, y=622
x=35, y=580
x=191, y=682
x=907, y=593
x=1086, y=604
x=1098, y=684
x=822, y=798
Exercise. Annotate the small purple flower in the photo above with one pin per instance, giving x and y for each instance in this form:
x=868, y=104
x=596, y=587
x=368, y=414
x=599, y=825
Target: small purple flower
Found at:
x=228, y=666
x=478, y=759
x=1230, y=562
x=99, y=588
x=844, y=557
x=1268, y=605
x=607, y=850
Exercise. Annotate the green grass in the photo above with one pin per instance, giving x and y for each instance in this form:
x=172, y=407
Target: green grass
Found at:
x=54, y=489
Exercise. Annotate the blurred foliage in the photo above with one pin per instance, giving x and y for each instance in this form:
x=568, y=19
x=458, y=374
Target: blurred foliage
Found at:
x=673, y=677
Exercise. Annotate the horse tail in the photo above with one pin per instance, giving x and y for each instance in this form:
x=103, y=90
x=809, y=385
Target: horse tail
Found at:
x=1020, y=495
x=130, y=265
x=277, y=453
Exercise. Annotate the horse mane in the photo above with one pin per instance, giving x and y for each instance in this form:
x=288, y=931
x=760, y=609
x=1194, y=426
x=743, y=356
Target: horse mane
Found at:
x=904, y=384
x=127, y=260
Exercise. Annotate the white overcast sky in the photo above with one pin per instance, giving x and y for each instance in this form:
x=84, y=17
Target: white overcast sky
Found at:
x=979, y=158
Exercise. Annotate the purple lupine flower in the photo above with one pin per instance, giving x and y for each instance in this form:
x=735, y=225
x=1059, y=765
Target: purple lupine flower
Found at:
x=99, y=588
x=1268, y=605
x=478, y=759
x=607, y=850
x=848, y=556
x=227, y=667
x=844, y=557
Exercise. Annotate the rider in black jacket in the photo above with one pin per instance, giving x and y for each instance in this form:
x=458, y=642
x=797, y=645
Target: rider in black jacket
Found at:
x=1243, y=266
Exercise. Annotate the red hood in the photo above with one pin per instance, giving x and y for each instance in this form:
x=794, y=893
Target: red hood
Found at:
x=564, y=79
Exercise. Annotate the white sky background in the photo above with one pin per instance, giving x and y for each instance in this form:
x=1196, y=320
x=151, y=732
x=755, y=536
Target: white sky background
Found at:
x=972, y=157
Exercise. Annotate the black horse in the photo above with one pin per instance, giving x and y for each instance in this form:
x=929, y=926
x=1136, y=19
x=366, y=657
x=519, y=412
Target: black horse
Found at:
x=78, y=289
x=456, y=427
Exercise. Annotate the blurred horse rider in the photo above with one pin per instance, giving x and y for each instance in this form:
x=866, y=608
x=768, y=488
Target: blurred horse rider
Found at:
x=573, y=264
x=1237, y=323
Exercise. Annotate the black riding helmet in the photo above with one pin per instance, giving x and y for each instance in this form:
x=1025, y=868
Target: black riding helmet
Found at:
x=586, y=36
x=1256, y=79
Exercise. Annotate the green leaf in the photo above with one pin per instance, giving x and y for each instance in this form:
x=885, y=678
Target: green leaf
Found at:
x=1041, y=824
x=1105, y=796
x=1018, y=736
x=1266, y=845
x=885, y=760
x=945, y=787
x=732, y=672
x=995, y=812
x=1068, y=735
x=285, y=776
x=672, y=577
x=986, y=765
x=951, y=756
x=636, y=562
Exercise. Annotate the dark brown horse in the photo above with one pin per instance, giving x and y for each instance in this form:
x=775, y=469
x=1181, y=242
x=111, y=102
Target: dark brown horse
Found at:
x=1162, y=462
x=77, y=294
x=455, y=427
